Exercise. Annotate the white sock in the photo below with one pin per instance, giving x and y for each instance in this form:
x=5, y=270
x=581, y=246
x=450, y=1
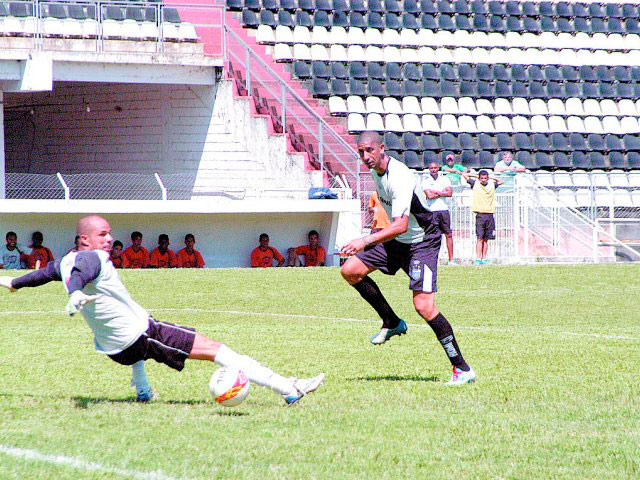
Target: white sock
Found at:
x=257, y=373
x=139, y=377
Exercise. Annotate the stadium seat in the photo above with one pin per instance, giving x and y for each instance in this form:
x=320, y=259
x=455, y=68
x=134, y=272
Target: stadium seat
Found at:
x=560, y=160
x=633, y=160
x=579, y=160
x=617, y=160
x=430, y=142
x=488, y=142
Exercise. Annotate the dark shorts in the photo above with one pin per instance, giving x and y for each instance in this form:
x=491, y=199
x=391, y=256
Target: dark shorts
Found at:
x=164, y=342
x=419, y=261
x=485, y=226
x=442, y=220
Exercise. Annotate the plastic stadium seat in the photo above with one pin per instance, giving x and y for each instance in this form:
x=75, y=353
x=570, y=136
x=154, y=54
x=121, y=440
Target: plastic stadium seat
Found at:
x=375, y=122
x=321, y=88
x=496, y=24
x=614, y=25
x=547, y=8
x=341, y=88
x=543, y=160
x=577, y=142
x=541, y=142
x=485, y=124
x=481, y=24
x=531, y=25
x=505, y=141
x=488, y=142
x=411, y=141
x=462, y=23
x=631, y=25
x=559, y=142
x=372, y=104
x=413, y=160
x=522, y=141
x=321, y=19
x=450, y=141
x=618, y=160
x=581, y=25
x=301, y=69
x=514, y=24
x=486, y=89
x=597, y=160
x=249, y=18
x=598, y=26
x=563, y=25
x=547, y=24
x=631, y=142
x=596, y=142
x=303, y=19
x=485, y=160
x=560, y=160
x=613, y=143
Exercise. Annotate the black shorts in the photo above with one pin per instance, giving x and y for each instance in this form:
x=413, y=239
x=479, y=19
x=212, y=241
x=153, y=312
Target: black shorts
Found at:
x=485, y=226
x=442, y=220
x=418, y=260
x=164, y=342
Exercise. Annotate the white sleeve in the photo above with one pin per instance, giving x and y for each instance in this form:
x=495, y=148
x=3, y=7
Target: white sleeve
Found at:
x=402, y=193
x=446, y=182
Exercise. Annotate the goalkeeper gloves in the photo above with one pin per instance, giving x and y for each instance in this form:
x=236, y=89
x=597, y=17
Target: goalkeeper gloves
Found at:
x=77, y=300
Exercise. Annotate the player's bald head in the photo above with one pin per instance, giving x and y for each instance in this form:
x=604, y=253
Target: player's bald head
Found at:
x=370, y=138
x=87, y=225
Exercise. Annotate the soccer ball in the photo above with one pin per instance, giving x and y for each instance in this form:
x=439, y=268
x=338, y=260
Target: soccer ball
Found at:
x=229, y=386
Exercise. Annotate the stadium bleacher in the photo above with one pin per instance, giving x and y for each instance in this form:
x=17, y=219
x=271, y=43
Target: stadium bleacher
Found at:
x=555, y=81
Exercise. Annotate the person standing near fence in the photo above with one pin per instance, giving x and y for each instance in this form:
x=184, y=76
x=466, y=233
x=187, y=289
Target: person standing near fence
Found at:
x=437, y=187
x=483, y=204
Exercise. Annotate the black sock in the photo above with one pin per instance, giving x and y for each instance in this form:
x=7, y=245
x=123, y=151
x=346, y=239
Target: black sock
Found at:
x=444, y=333
x=369, y=290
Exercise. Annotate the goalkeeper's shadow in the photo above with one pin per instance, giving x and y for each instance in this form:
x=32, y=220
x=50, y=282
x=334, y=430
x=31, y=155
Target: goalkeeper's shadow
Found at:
x=398, y=378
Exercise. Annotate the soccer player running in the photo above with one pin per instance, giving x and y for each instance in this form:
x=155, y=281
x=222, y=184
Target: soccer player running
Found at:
x=411, y=242
x=125, y=332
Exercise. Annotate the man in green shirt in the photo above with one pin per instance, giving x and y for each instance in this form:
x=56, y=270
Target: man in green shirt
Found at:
x=452, y=169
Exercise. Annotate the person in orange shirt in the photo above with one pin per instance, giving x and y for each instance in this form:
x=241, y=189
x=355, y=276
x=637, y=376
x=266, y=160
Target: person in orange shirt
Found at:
x=162, y=256
x=135, y=256
x=263, y=255
x=380, y=218
x=40, y=255
x=189, y=257
x=314, y=254
x=116, y=254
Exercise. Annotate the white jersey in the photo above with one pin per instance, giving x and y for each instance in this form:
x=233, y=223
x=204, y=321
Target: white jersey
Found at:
x=115, y=319
x=439, y=184
x=401, y=194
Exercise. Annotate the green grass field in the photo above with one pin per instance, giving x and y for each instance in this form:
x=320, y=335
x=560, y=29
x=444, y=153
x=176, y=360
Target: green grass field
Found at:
x=556, y=350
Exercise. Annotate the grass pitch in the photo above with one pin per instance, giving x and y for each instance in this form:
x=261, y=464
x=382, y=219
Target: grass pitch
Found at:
x=556, y=350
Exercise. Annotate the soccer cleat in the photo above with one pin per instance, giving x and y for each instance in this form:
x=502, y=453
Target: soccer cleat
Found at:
x=478, y=261
x=146, y=396
x=462, y=378
x=303, y=386
x=453, y=263
x=386, y=333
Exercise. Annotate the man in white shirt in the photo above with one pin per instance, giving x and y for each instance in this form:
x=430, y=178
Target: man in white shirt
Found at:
x=126, y=332
x=507, y=165
x=437, y=187
x=411, y=242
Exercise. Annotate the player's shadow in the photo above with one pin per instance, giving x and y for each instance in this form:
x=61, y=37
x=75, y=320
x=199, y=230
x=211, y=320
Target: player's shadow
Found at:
x=398, y=378
x=86, y=402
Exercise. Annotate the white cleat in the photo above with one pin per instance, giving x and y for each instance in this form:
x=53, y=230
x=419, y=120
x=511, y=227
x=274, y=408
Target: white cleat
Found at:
x=303, y=386
x=462, y=378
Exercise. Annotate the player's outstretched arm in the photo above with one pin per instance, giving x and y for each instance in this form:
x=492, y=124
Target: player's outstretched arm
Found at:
x=34, y=279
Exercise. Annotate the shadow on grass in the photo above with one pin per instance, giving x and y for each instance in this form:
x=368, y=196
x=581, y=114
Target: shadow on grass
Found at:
x=398, y=378
x=86, y=402
x=232, y=414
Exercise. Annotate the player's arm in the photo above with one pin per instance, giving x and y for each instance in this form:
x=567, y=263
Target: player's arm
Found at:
x=397, y=227
x=34, y=279
x=199, y=259
x=432, y=194
x=469, y=177
x=498, y=182
x=447, y=192
x=86, y=269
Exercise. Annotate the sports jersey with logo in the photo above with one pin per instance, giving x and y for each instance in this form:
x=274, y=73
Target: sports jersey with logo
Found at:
x=264, y=259
x=133, y=259
x=190, y=260
x=313, y=257
x=163, y=260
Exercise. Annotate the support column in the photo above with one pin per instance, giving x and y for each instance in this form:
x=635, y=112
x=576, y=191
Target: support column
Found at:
x=2, y=157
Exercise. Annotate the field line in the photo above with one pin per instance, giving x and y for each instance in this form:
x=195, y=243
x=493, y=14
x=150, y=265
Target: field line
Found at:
x=79, y=464
x=343, y=319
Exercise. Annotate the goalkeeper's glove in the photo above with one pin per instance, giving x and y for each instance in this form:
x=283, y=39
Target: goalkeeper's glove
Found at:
x=77, y=300
x=6, y=283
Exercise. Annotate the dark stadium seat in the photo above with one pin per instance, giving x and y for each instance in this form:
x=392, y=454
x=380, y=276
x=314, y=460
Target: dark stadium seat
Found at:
x=606, y=90
x=555, y=90
x=325, y=5
x=598, y=26
x=357, y=70
x=571, y=89
x=631, y=25
x=624, y=90
x=541, y=142
x=449, y=88
x=480, y=23
x=411, y=71
x=392, y=21
x=411, y=88
x=577, y=142
x=581, y=25
x=428, y=21
x=411, y=6
x=513, y=8
x=428, y=6
x=630, y=11
x=503, y=89
x=375, y=88
x=462, y=22
x=357, y=87
x=489, y=142
x=358, y=20
x=430, y=72
x=469, y=159
x=485, y=160
x=468, y=89
x=376, y=6
x=375, y=20
x=393, y=141
x=111, y=12
x=321, y=19
x=496, y=24
x=450, y=142
x=303, y=19
x=272, y=5
x=579, y=160
x=617, y=160
x=466, y=72
x=339, y=70
x=486, y=89
x=525, y=159
x=552, y=73
x=589, y=90
x=546, y=9
x=468, y=142
x=519, y=89
x=411, y=141
x=410, y=21
x=377, y=71
x=289, y=5
x=537, y=90
x=569, y=73
x=505, y=141
x=588, y=74
x=596, y=11
x=514, y=24
x=547, y=24
x=446, y=72
x=285, y=18
x=484, y=72
x=564, y=25
x=529, y=9
x=522, y=141
x=429, y=156
x=358, y=6
x=235, y=5
x=500, y=72
x=603, y=73
x=532, y=25
x=518, y=72
x=461, y=7
x=413, y=160
x=20, y=9
x=342, y=88
x=613, y=143
x=479, y=7
x=266, y=18
x=542, y=160
x=431, y=88
x=633, y=160
x=302, y=70
x=77, y=12
x=134, y=13
x=631, y=142
x=340, y=6
x=559, y=142
x=614, y=25
x=321, y=87
x=321, y=69
x=444, y=6
x=621, y=74
x=54, y=10
x=535, y=73
x=393, y=89
x=577, y=9
x=596, y=142
x=497, y=8
x=597, y=160
x=307, y=5
x=445, y=22
x=4, y=9
x=430, y=142
x=392, y=6
x=340, y=19
x=560, y=160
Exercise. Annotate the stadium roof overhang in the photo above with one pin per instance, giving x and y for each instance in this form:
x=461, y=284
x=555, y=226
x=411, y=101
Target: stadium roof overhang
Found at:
x=36, y=71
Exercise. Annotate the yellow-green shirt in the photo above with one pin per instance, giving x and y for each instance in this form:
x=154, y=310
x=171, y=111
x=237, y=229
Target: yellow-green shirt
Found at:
x=484, y=196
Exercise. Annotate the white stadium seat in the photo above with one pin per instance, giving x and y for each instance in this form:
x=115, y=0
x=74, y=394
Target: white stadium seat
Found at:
x=130, y=30
x=611, y=125
x=574, y=106
x=337, y=106
x=338, y=35
x=485, y=124
x=356, y=36
x=537, y=106
x=188, y=32
x=467, y=105
x=338, y=53
x=375, y=123
x=319, y=53
x=503, y=124
x=575, y=124
x=283, y=34
x=448, y=105
x=629, y=125
x=392, y=105
x=635, y=196
x=372, y=36
x=356, y=105
x=484, y=106
x=372, y=104
x=592, y=107
x=503, y=107
x=411, y=123
x=392, y=123
x=545, y=179
x=520, y=124
x=430, y=124
x=355, y=123
x=429, y=105
x=375, y=54
x=520, y=106
x=449, y=123
x=556, y=124
x=300, y=51
x=282, y=52
x=627, y=107
x=111, y=28
x=467, y=124
x=618, y=179
x=355, y=53
x=562, y=179
x=593, y=125
x=301, y=34
x=539, y=124
x=609, y=107
x=391, y=37
x=411, y=105
x=320, y=35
